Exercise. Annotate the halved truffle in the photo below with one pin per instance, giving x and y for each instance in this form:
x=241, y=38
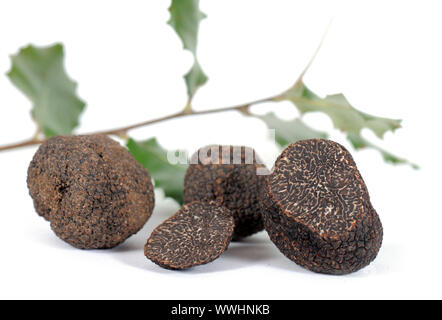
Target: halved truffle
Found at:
x=197, y=234
x=93, y=192
x=233, y=176
x=317, y=209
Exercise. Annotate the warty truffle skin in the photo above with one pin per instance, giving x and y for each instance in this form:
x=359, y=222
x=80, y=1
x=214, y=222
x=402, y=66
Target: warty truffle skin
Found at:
x=197, y=234
x=93, y=192
x=235, y=185
x=317, y=209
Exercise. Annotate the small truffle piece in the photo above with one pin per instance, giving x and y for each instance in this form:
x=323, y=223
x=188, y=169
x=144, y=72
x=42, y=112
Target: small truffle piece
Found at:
x=233, y=177
x=197, y=234
x=91, y=189
x=317, y=209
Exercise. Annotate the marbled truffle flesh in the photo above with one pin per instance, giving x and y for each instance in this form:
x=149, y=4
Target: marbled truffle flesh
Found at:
x=93, y=192
x=197, y=234
x=317, y=209
x=232, y=180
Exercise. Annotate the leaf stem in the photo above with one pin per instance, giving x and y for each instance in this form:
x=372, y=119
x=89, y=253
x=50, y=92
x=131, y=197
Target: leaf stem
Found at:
x=187, y=111
x=188, y=108
x=22, y=144
x=318, y=48
x=122, y=131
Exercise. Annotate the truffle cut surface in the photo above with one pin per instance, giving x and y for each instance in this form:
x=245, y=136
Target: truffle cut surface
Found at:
x=317, y=209
x=230, y=175
x=197, y=234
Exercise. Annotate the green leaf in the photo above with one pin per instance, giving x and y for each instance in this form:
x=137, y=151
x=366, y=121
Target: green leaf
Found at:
x=167, y=176
x=185, y=18
x=343, y=115
x=360, y=142
x=195, y=78
x=287, y=132
x=40, y=74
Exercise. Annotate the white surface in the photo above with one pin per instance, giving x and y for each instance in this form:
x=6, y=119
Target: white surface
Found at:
x=384, y=55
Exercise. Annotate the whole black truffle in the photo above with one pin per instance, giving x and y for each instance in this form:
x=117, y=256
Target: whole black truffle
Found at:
x=197, y=234
x=317, y=209
x=231, y=177
x=93, y=192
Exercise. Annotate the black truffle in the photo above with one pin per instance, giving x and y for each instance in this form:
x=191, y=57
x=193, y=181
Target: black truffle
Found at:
x=197, y=234
x=232, y=177
x=93, y=192
x=317, y=209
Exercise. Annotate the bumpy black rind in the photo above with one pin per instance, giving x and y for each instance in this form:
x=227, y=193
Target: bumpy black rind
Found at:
x=93, y=192
x=335, y=252
x=235, y=186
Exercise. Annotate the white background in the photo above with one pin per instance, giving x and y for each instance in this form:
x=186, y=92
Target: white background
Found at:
x=384, y=55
